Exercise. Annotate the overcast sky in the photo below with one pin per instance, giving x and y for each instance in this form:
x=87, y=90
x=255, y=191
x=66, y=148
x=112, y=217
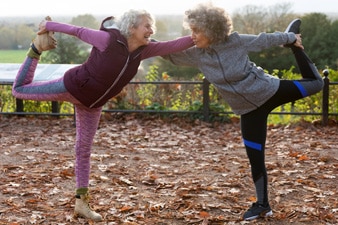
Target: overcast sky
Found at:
x=116, y=7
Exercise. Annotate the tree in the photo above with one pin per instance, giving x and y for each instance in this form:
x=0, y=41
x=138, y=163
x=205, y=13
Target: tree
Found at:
x=67, y=52
x=252, y=19
x=6, y=35
x=16, y=35
x=86, y=20
x=23, y=36
x=315, y=30
x=161, y=30
x=279, y=16
x=168, y=27
x=71, y=50
x=334, y=44
x=178, y=72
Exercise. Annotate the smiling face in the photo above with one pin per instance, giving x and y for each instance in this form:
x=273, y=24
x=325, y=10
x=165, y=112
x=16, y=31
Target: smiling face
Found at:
x=199, y=38
x=140, y=35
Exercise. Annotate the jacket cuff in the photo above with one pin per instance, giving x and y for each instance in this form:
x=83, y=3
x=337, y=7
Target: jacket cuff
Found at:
x=291, y=38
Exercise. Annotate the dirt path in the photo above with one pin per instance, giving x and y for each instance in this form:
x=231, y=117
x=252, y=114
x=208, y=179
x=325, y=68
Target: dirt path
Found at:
x=153, y=171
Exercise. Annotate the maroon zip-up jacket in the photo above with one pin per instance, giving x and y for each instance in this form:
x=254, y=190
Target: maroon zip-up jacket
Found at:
x=106, y=72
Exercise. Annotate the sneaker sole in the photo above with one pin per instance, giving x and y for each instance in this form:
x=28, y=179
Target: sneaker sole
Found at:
x=262, y=215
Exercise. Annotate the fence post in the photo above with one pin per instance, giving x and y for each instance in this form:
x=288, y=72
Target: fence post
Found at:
x=325, y=100
x=206, y=100
x=19, y=105
x=55, y=107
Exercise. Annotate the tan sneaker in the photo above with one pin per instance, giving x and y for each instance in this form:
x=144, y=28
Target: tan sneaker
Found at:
x=45, y=41
x=82, y=209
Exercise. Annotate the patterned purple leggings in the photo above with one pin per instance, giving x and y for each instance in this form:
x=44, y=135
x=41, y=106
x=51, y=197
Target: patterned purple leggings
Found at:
x=87, y=119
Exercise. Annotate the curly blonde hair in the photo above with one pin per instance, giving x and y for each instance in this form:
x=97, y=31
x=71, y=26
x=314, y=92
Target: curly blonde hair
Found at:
x=214, y=22
x=132, y=19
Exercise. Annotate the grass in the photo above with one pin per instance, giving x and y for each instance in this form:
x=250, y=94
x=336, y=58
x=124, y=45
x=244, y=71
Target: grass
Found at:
x=12, y=56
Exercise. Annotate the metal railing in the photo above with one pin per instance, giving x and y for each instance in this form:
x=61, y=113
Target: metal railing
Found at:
x=206, y=103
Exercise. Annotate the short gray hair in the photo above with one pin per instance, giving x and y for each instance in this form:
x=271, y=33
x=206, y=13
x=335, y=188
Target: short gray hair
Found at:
x=132, y=19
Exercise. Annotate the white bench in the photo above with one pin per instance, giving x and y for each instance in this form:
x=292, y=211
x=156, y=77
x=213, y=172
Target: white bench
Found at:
x=44, y=72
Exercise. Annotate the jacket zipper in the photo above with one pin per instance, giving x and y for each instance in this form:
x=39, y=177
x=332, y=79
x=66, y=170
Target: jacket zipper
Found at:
x=229, y=83
x=118, y=77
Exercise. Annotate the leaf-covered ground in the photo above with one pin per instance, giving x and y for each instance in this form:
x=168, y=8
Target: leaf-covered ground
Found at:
x=158, y=171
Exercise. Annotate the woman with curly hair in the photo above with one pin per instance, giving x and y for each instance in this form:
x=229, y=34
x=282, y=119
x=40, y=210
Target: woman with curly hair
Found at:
x=222, y=56
x=118, y=48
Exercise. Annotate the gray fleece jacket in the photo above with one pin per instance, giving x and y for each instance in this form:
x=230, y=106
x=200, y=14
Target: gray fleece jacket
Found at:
x=226, y=65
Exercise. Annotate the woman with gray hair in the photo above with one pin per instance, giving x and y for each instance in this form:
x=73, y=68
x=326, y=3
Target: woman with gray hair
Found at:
x=222, y=56
x=118, y=48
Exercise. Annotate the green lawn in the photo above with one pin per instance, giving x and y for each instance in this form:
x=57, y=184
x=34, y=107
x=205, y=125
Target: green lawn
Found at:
x=12, y=56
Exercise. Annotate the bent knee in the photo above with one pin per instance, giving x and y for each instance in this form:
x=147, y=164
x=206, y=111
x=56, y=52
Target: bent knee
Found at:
x=315, y=86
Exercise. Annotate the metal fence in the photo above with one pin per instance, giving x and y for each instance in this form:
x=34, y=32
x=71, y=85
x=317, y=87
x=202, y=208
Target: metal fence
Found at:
x=206, y=112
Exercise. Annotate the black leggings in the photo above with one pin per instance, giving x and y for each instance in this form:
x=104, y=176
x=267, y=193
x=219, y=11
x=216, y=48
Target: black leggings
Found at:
x=254, y=123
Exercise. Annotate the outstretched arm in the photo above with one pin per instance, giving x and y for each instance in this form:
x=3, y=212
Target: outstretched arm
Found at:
x=256, y=43
x=159, y=48
x=96, y=38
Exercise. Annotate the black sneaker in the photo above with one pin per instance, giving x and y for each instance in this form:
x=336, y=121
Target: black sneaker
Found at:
x=294, y=27
x=257, y=210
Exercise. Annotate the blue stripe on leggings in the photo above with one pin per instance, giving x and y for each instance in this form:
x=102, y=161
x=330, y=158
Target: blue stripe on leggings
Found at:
x=253, y=145
x=301, y=88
